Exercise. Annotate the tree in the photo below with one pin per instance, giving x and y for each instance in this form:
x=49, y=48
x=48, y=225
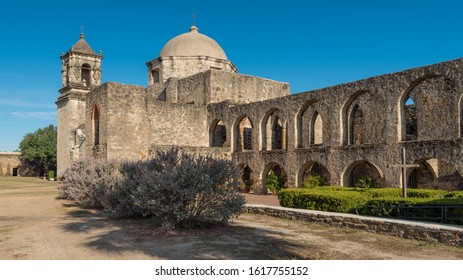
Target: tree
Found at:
x=38, y=150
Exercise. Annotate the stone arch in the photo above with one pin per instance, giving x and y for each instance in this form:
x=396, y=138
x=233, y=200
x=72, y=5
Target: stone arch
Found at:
x=86, y=75
x=362, y=168
x=302, y=124
x=277, y=169
x=346, y=117
x=218, y=134
x=96, y=124
x=401, y=112
x=312, y=168
x=316, y=129
x=244, y=134
x=273, y=131
x=247, y=178
x=411, y=122
x=434, y=173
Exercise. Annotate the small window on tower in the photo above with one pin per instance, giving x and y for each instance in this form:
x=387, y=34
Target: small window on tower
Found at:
x=155, y=75
x=85, y=75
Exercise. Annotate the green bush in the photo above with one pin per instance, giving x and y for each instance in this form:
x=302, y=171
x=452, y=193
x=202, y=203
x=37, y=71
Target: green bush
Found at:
x=456, y=194
x=386, y=205
x=385, y=192
x=290, y=197
x=274, y=182
x=348, y=200
x=366, y=183
x=314, y=181
x=412, y=193
x=320, y=199
x=421, y=193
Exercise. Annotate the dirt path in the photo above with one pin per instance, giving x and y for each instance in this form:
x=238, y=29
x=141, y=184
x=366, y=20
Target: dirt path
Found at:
x=34, y=225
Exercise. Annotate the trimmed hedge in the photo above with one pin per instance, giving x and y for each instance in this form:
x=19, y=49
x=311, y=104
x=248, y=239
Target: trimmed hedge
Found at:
x=457, y=194
x=347, y=200
x=331, y=199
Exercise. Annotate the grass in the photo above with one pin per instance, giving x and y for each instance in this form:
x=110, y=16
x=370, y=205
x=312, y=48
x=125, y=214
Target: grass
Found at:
x=9, y=182
x=26, y=186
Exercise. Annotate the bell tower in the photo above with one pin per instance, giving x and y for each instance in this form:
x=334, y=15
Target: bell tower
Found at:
x=80, y=74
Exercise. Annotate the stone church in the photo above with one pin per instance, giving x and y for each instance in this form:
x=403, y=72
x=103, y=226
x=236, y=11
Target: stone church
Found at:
x=197, y=100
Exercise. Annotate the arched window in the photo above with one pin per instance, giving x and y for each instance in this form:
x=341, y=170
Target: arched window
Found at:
x=218, y=134
x=411, y=123
x=303, y=125
x=352, y=120
x=156, y=77
x=246, y=181
x=312, y=169
x=96, y=125
x=277, y=133
x=243, y=135
x=434, y=173
x=316, y=130
x=362, y=170
x=274, y=176
x=273, y=131
x=355, y=126
x=85, y=76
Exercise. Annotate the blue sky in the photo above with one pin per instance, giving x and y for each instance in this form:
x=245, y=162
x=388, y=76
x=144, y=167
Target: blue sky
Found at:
x=310, y=44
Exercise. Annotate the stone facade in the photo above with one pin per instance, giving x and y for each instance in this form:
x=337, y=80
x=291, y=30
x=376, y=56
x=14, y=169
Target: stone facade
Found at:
x=10, y=164
x=357, y=144
x=343, y=133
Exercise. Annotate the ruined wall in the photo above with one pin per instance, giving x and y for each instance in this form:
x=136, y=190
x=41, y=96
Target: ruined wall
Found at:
x=363, y=122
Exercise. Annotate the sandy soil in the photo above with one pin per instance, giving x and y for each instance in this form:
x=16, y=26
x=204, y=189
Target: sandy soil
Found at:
x=35, y=225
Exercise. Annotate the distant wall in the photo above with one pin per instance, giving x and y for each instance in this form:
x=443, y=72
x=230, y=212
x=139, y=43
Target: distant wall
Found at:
x=9, y=162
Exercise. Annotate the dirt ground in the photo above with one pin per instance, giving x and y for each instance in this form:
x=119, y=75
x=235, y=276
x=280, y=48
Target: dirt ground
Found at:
x=35, y=225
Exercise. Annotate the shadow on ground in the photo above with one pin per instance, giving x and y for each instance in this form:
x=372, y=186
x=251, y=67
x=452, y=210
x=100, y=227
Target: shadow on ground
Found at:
x=236, y=241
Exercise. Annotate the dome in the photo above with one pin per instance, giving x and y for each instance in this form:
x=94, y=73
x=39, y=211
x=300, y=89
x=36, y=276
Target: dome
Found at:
x=193, y=44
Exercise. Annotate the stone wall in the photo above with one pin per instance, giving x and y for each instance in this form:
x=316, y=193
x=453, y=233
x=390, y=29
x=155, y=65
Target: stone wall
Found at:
x=177, y=124
x=451, y=235
x=8, y=162
x=363, y=122
x=239, y=88
x=131, y=121
x=214, y=86
x=123, y=121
